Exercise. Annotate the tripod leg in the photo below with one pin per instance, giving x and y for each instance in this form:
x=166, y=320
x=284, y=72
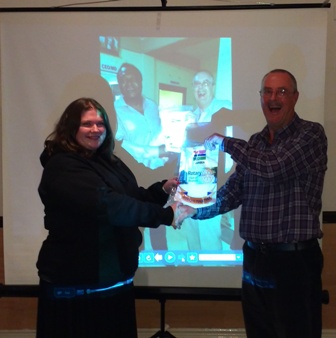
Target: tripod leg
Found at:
x=162, y=333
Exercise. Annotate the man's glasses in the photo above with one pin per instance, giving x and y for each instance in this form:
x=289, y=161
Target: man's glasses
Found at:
x=204, y=84
x=279, y=93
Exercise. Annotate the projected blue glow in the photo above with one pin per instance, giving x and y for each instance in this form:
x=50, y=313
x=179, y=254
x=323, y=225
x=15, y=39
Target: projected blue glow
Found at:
x=189, y=258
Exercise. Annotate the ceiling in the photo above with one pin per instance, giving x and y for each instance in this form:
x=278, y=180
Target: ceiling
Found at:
x=155, y=3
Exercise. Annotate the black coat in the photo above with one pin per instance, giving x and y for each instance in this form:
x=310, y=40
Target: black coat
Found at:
x=92, y=211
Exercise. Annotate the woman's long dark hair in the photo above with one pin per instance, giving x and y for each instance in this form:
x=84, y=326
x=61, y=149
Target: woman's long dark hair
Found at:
x=63, y=138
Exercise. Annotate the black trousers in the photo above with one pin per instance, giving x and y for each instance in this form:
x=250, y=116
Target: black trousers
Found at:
x=282, y=293
x=110, y=315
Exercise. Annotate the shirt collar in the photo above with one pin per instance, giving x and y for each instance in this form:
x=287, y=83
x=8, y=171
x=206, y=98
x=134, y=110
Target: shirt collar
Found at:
x=283, y=132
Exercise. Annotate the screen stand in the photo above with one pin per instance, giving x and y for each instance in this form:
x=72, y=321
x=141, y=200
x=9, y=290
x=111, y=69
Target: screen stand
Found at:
x=162, y=333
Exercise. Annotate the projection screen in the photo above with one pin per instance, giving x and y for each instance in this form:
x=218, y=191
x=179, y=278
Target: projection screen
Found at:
x=49, y=59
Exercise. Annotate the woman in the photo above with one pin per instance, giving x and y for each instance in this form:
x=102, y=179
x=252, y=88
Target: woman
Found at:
x=93, y=208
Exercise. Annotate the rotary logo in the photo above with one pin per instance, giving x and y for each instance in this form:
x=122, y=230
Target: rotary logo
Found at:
x=207, y=176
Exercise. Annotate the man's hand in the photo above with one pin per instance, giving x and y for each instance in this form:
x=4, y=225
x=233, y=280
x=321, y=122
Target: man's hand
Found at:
x=212, y=141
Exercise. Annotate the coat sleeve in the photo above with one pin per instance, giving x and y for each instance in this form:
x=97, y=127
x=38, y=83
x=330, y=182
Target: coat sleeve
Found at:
x=70, y=184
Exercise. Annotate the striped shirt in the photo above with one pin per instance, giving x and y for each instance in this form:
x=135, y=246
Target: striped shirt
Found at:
x=278, y=185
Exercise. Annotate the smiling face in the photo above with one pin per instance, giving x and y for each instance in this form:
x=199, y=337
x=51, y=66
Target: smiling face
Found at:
x=130, y=87
x=278, y=98
x=130, y=83
x=203, y=84
x=92, y=131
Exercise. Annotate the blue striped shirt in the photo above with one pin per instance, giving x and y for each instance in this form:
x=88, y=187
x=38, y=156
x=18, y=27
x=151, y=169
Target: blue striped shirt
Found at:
x=278, y=185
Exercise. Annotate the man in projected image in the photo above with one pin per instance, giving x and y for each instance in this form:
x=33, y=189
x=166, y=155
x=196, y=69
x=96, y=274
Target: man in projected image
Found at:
x=278, y=182
x=214, y=233
x=139, y=124
x=139, y=130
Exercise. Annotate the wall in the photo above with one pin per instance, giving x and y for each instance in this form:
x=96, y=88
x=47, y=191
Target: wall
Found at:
x=329, y=201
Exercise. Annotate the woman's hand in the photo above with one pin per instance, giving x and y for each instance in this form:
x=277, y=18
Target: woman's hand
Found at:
x=171, y=184
x=181, y=212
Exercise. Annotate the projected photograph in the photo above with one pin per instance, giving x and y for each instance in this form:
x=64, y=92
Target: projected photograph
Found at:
x=167, y=95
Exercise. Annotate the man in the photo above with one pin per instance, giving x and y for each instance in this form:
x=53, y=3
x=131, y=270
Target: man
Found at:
x=139, y=124
x=278, y=181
